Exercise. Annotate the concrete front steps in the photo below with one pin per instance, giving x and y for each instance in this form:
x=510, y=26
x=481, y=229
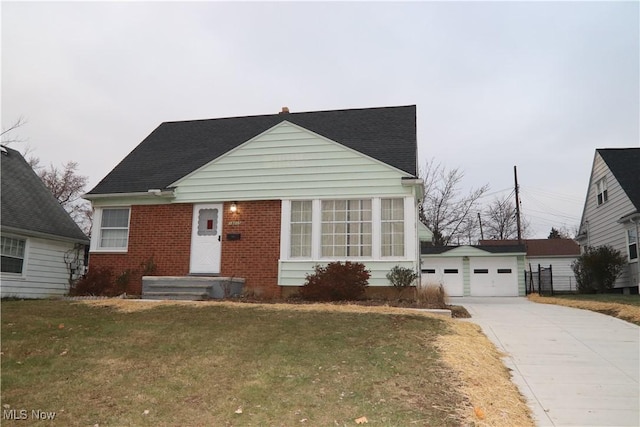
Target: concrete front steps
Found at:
x=192, y=288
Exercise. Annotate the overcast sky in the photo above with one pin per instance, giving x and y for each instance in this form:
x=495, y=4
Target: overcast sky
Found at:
x=539, y=85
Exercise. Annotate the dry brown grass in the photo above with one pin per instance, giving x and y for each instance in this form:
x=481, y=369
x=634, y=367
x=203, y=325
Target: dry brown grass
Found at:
x=133, y=305
x=630, y=313
x=485, y=381
x=492, y=399
x=432, y=294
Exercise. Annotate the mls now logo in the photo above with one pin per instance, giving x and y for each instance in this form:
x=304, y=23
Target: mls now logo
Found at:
x=15, y=414
x=23, y=414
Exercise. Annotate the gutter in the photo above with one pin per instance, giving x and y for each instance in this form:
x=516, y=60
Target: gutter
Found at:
x=151, y=193
x=31, y=233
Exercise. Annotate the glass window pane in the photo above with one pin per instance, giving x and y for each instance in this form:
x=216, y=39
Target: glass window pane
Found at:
x=301, y=215
x=346, y=228
x=115, y=218
x=12, y=254
x=114, y=228
x=207, y=222
x=11, y=265
x=392, y=227
x=114, y=238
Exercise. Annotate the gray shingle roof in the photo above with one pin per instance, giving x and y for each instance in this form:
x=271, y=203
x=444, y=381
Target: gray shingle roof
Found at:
x=28, y=206
x=174, y=149
x=624, y=163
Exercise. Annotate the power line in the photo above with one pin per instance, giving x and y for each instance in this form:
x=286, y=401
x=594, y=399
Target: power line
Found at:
x=553, y=195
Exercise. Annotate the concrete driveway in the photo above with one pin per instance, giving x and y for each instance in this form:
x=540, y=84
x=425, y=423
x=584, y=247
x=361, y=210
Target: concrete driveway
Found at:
x=575, y=367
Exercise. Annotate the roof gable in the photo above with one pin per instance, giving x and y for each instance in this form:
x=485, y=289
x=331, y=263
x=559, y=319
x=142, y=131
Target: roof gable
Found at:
x=624, y=164
x=289, y=161
x=27, y=204
x=175, y=149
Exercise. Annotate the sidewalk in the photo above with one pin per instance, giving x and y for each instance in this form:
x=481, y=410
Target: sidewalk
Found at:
x=575, y=367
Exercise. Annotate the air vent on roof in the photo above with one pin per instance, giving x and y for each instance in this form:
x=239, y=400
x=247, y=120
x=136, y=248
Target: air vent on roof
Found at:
x=285, y=110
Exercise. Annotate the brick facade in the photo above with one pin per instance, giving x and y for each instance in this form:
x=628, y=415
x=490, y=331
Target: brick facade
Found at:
x=162, y=233
x=255, y=256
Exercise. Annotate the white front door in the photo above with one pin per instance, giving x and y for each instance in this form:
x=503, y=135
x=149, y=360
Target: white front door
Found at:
x=206, y=238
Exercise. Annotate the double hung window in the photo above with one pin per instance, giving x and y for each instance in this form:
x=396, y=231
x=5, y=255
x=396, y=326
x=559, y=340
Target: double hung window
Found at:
x=114, y=228
x=602, y=194
x=13, y=253
x=301, y=214
x=392, y=227
x=632, y=242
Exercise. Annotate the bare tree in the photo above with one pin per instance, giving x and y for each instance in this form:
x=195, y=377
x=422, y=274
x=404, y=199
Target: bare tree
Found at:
x=8, y=135
x=65, y=184
x=67, y=187
x=500, y=222
x=447, y=212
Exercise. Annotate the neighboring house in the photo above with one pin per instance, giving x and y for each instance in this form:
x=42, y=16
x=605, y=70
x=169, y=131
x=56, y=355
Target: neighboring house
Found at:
x=42, y=247
x=557, y=254
x=611, y=214
x=264, y=198
x=482, y=270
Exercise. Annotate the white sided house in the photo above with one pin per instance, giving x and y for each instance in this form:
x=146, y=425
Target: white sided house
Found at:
x=611, y=214
x=42, y=247
x=265, y=198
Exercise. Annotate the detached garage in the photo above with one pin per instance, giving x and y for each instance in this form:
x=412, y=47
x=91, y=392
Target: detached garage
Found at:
x=490, y=271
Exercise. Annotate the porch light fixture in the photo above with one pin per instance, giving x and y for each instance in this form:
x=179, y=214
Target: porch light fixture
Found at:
x=233, y=207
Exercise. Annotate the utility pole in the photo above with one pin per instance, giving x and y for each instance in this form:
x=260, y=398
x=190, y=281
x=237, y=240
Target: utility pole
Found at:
x=515, y=175
x=480, y=221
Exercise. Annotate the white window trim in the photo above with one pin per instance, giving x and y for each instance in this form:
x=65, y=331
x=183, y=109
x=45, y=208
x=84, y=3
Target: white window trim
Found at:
x=410, y=217
x=25, y=259
x=637, y=258
x=602, y=184
x=97, y=227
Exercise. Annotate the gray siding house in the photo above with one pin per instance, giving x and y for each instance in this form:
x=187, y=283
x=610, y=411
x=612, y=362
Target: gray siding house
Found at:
x=41, y=244
x=611, y=214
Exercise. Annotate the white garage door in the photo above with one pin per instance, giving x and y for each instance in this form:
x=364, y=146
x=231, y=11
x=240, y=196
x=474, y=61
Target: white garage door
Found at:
x=494, y=277
x=447, y=271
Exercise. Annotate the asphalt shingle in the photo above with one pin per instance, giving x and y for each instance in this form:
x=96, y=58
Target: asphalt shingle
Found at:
x=28, y=205
x=624, y=163
x=174, y=149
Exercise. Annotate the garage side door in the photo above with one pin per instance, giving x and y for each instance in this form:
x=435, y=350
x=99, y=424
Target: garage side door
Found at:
x=494, y=277
x=447, y=271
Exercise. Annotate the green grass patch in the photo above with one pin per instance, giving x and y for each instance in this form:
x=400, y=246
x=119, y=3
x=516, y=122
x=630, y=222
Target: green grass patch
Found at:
x=221, y=365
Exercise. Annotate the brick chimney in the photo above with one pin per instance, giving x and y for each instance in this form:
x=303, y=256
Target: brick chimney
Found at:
x=285, y=110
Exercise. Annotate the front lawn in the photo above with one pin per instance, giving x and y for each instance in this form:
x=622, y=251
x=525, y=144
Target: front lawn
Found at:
x=195, y=364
